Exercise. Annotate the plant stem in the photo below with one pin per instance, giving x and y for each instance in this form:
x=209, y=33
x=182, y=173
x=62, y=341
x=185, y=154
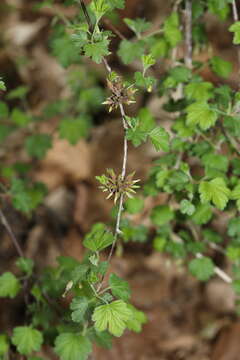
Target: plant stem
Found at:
x=125, y=153
x=123, y=174
x=87, y=17
x=188, y=34
x=11, y=233
x=236, y=18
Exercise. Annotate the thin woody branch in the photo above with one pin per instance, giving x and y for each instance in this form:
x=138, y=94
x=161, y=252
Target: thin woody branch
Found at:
x=188, y=34
x=125, y=151
x=236, y=18
x=11, y=233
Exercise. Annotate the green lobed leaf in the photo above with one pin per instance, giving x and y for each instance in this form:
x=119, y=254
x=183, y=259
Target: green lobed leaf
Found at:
x=186, y=207
x=215, y=191
x=79, y=306
x=9, y=285
x=66, y=52
x=20, y=118
x=160, y=139
x=159, y=243
x=2, y=85
x=18, y=93
x=98, y=238
x=171, y=29
x=234, y=227
x=215, y=161
x=162, y=214
x=4, y=345
x=97, y=50
x=103, y=339
x=137, y=25
x=74, y=129
x=203, y=214
x=25, y=265
x=212, y=236
x=235, y=28
x=199, y=91
x=119, y=287
x=221, y=67
x=118, y=4
x=200, y=113
x=4, y=111
x=38, y=145
x=202, y=268
x=219, y=8
x=27, y=339
x=72, y=346
x=180, y=74
x=134, y=205
x=159, y=48
x=113, y=316
x=26, y=199
x=137, y=319
x=129, y=51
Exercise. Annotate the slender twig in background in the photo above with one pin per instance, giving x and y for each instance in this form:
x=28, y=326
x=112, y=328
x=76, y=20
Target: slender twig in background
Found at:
x=176, y=5
x=87, y=17
x=188, y=34
x=11, y=233
x=219, y=272
x=114, y=29
x=236, y=18
x=125, y=154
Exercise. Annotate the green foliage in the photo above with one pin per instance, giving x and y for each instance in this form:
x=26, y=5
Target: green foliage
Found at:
x=26, y=198
x=113, y=316
x=187, y=207
x=215, y=191
x=171, y=30
x=18, y=93
x=129, y=51
x=20, y=118
x=119, y=287
x=2, y=85
x=235, y=28
x=9, y=285
x=202, y=268
x=74, y=129
x=27, y=339
x=25, y=265
x=221, y=67
x=138, y=26
x=79, y=306
x=161, y=215
x=4, y=345
x=134, y=205
x=72, y=346
x=200, y=113
x=143, y=127
x=97, y=50
x=219, y=8
x=137, y=319
x=99, y=238
x=38, y=145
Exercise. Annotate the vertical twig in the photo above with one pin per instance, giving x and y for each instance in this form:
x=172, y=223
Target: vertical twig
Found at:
x=188, y=34
x=11, y=233
x=117, y=230
x=87, y=17
x=236, y=18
